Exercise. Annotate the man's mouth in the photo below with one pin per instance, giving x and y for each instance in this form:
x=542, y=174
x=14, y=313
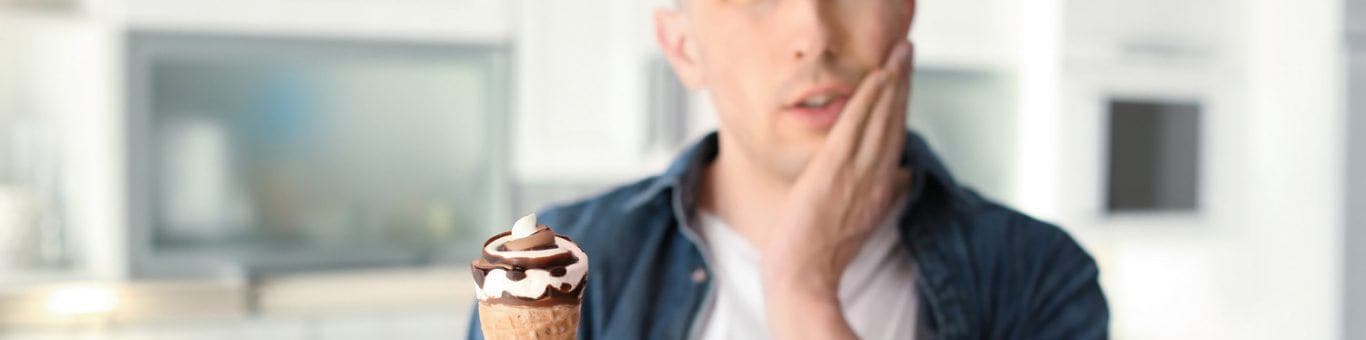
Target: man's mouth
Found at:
x=819, y=108
x=815, y=102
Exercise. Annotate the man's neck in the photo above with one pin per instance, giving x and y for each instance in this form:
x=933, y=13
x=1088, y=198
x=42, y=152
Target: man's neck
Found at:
x=742, y=192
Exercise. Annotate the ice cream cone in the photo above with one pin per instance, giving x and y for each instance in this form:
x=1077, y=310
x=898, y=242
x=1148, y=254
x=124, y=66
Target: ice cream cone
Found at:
x=502, y=321
x=529, y=282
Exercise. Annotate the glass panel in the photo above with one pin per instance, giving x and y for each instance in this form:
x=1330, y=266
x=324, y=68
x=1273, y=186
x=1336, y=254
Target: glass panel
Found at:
x=282, y=155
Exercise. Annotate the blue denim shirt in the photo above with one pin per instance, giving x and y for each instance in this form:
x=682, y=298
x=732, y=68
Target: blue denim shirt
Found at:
x=984, y=270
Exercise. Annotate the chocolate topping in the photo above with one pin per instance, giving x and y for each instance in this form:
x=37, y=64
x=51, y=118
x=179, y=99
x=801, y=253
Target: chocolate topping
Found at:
x=490, y=261
x=542, y=239
x=478, y=274
x=516, y=267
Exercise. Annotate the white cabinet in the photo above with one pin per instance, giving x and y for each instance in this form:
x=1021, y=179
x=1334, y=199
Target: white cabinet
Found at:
x=58, y=171
x=428, y=20
x=578, y=86
x=1162, y=51
x=1160, y=31
x=583, y=71
x=973, y=34
x=1265, y=74
x=1158, y=51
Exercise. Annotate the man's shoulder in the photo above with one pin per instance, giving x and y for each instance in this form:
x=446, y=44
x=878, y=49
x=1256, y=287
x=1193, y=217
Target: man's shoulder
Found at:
x=988, y=224
x=616, y=211
x=1009, y=257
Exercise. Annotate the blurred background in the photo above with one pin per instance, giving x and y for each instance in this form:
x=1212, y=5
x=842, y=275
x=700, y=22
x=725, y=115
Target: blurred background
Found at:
x=310, y=169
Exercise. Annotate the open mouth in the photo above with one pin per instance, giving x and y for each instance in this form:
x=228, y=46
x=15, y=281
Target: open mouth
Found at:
x=815, y=102
x=818, y=110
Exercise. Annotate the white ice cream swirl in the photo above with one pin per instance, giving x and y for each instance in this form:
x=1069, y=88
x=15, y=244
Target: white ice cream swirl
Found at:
x=496, y=281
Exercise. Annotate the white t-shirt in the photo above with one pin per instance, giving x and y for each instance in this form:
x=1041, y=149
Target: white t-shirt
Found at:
x=877, y=291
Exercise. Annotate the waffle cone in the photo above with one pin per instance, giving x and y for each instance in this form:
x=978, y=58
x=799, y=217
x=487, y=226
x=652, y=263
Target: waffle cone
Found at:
x=502, y=321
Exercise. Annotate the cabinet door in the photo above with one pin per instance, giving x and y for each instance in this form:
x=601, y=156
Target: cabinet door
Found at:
x=582, y=86
x=54, y=146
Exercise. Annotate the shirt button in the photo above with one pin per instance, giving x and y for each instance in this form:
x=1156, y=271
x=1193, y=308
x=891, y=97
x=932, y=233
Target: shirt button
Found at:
x=699, y=275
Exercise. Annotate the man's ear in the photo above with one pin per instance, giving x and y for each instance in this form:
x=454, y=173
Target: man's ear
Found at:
x=671, y=32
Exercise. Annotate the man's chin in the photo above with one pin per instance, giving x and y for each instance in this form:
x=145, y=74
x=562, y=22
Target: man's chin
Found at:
x=792, y=161
x=804, y=133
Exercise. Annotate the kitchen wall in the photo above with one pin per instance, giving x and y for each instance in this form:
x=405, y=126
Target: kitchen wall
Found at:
x=1014, y=94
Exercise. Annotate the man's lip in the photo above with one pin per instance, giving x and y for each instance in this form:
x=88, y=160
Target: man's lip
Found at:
x=819, y=117
x=835, y=91
x=824, y=116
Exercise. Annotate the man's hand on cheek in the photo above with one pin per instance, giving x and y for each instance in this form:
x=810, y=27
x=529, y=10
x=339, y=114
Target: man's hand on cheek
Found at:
x=841, y=196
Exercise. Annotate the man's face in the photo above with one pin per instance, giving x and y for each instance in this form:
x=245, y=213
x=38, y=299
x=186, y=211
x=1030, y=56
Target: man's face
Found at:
x=780, y=71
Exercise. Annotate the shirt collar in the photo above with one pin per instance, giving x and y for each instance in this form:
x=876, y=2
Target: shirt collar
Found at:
x=685, y=171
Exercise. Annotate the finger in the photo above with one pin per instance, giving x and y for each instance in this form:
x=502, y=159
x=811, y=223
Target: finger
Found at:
x=893, y=137
x=901, y=63
x=896, y=138
x=844, y=135
x=898, y=55
x=888, y=117
x=872, y=142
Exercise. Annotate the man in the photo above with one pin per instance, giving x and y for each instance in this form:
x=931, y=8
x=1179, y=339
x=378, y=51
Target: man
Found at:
x=811, y=213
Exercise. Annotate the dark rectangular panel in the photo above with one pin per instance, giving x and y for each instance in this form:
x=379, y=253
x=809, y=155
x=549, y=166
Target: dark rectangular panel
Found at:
x=1153, y=156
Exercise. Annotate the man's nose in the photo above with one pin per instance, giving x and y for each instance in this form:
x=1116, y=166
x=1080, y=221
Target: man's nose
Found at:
x=812, y=29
